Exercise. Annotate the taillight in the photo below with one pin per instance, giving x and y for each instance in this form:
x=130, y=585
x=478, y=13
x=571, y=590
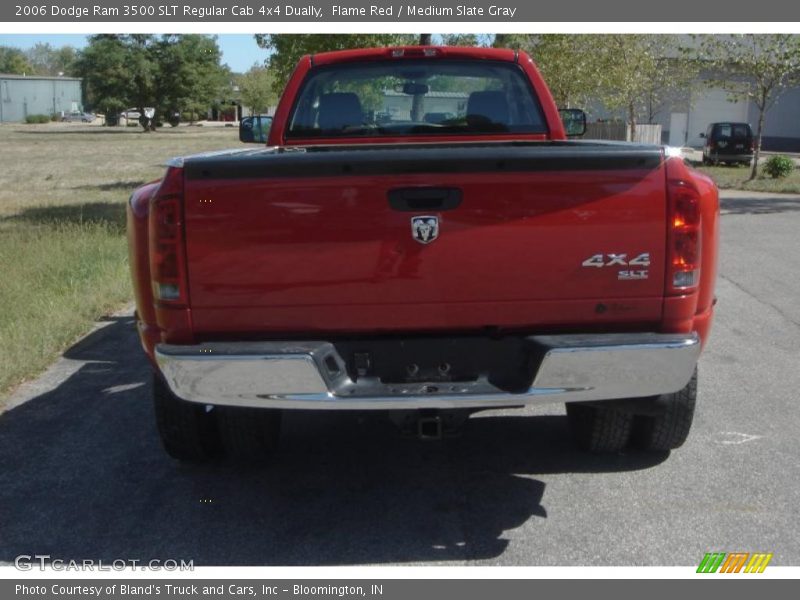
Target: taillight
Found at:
x=683, y=237
x=167, y=263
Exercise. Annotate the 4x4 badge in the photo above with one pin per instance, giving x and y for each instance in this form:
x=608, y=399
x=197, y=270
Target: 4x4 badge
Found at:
x=425, y=229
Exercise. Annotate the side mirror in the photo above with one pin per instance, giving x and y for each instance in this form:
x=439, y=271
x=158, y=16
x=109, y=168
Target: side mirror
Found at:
x=702, y=135
x=574, y=120
x=254, y=130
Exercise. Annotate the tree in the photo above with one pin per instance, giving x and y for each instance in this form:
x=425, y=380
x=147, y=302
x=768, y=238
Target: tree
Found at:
x=460, y=39
x=633, y=73
x=518, y=41
x=753, y=67
x=639, y=72
x=119, y=71
x=170, y=73
x=47, y=60
x=14, y=62
x=190, y=77
x=287, y=49
x=105, y=67
x=628, y=63
x=571, y=66
x=257, y=90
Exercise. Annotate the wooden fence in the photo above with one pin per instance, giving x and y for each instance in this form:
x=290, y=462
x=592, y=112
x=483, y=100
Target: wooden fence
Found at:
x=615, y=130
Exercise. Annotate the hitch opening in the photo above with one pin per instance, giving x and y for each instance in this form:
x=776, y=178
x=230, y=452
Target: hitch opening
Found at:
x=429, y=428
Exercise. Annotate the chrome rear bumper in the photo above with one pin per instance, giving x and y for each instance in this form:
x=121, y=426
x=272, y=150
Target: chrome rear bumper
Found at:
x=312, y=375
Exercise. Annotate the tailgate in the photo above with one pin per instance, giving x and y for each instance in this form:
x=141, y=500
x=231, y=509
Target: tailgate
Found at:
x=412, y=238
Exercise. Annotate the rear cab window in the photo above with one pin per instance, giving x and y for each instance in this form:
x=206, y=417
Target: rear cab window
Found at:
x=415, y=97
x=732, y=130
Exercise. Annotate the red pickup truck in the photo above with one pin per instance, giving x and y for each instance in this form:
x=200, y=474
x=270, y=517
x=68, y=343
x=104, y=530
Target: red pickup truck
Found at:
x=419, y=236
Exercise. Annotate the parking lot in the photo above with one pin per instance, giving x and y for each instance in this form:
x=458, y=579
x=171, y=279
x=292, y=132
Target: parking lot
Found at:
x=84, y=476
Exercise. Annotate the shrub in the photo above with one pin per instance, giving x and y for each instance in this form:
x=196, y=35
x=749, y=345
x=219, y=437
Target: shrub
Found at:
x=37, y=119
x=779, y=166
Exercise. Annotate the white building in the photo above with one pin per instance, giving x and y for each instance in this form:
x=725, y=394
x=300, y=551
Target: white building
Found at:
x=22, y=95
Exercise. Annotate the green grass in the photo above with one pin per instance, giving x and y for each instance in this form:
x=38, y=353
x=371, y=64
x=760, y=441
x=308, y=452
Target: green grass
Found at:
x=736, y=178
x=63, y=254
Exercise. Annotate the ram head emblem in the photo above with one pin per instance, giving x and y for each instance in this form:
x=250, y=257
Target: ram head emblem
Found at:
x=425, y=229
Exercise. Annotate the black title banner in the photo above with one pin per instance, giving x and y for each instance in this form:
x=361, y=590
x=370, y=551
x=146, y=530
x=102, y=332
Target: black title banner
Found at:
x=311, y=11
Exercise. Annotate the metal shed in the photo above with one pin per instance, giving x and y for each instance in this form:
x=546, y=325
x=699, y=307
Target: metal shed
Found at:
x=22, y=95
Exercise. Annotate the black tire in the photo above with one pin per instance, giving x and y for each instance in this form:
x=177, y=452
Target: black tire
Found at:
x=249, y=434
x=187, y=430
x=669, y=430
x=599, y=430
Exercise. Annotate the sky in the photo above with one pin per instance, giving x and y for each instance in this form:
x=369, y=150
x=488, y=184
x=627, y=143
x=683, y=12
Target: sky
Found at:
x=239, y=51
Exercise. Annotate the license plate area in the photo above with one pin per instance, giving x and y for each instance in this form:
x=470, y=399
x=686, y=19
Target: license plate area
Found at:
x=508, y=363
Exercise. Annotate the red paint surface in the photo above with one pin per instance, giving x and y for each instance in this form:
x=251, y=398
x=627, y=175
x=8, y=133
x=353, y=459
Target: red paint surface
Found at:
x=334, y=247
